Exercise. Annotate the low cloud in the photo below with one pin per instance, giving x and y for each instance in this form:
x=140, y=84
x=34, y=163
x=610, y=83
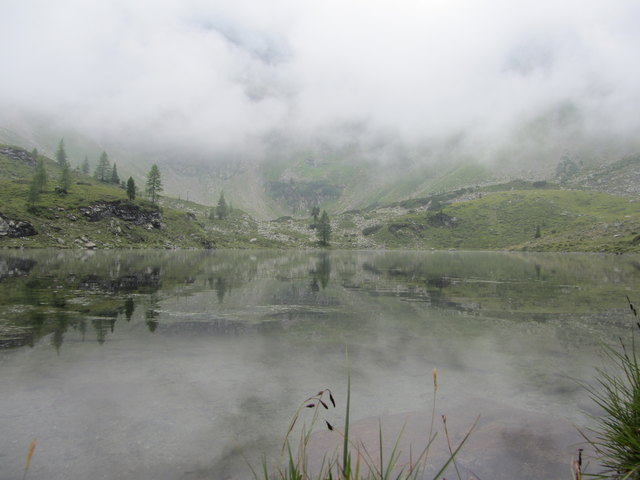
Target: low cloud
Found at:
x=221, y=75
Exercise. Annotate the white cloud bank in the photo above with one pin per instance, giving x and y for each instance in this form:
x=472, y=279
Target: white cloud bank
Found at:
x=216, y=73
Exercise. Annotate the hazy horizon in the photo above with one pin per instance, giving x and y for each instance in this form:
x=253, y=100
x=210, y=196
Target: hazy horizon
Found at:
x=220, y=76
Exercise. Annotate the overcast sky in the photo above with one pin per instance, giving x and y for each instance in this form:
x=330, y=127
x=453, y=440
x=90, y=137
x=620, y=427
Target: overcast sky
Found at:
x=219, y=72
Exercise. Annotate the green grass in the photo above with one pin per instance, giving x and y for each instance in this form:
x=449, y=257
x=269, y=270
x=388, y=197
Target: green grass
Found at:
x=59, y=222
x=616, y=436
x=353, y=461
x=569, y=221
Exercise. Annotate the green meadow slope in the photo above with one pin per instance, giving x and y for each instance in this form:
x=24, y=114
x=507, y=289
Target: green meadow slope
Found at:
x=90, y=215
x=518, y=215
x=535, y=219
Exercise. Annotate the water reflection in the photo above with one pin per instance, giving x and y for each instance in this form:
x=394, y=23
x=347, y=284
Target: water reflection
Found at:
x=44, y=294
x=208, y=353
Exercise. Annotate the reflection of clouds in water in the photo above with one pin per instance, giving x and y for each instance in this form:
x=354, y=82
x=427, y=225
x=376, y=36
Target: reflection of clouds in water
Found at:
x=220, y=379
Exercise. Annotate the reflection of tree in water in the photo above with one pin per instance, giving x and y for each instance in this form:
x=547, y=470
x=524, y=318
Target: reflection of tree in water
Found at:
x=321, y=272
x=129, y=307
x=151, y=314
x=82, y=327
x=102, y=326
x=61, y=326
x=221, y=288
x=36, y=323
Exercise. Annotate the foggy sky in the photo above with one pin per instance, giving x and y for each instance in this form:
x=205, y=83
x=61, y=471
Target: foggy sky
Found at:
x=220, y=73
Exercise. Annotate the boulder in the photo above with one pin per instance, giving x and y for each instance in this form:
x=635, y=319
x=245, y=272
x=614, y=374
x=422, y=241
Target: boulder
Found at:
x=15, y=228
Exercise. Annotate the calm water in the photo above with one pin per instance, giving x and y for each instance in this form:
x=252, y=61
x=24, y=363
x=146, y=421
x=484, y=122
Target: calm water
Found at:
x=184, y=365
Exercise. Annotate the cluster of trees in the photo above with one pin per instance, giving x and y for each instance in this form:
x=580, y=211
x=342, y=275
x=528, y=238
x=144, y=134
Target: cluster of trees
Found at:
x=104, y=172
x=221, y=210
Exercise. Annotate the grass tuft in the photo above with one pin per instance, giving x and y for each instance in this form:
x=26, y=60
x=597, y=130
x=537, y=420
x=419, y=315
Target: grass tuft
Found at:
x=340, y=465
x=616, y=436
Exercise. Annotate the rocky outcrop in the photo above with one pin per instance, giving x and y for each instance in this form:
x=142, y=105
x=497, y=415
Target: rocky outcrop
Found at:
x=19, y=155
x=442, y=220
x=150, y=219
x=15, y=228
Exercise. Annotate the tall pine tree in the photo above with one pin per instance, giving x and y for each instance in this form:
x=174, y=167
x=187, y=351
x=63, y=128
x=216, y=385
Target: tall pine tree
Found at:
x=324, y=228
x=102, y=169
x=65, y=177
x=61, y=155
x=154, y=184
x=85, y=166
x=38, y=183
x=114, y=175
x=222, y=209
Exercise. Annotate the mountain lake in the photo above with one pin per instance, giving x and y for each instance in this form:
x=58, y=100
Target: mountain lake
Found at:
x=191, y=364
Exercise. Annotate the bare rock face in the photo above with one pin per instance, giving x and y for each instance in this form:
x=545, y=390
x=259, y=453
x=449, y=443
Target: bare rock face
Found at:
x=151, y=219
x=19, y=155
x=15, y=228
x=442, y=220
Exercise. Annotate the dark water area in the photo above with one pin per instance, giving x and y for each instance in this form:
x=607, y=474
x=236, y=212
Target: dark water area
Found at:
x=188, y=364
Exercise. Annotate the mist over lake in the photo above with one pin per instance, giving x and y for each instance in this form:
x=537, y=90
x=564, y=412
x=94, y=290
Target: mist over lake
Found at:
x=190, y=364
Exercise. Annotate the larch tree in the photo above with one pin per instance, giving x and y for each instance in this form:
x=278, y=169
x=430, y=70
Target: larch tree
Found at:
x=114, y=175
x=85, y=166
x=154, y=184
x=102, y=170
x=61, y=155
x=222, y=209
x=65, y=177
x=324, y=228
x=38, y=183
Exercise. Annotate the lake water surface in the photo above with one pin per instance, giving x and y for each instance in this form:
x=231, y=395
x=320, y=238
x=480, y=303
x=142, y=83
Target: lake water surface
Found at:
x=188, y=365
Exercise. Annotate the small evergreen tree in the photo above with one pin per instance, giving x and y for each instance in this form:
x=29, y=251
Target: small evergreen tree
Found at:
x=222, y=210
x=114, y=174
x=538, y=233
x=324, y=228
x=102, y=170
x=131, y=188
x=154, y=184
x=85, y=166
x=61, y=155
x=65, y=177
x=315, y=212
x=34, y=154
x=38, y=182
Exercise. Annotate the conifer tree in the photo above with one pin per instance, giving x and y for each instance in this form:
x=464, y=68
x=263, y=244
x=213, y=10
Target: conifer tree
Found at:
x=114, y=174
x=61, y=155
x=154, y=184
x=38, y=183
x=65, y=177
x=85, y=166
x=131, y=188
x=222, y=210
x=315, y=212
x=102, y=170
x=324, y=228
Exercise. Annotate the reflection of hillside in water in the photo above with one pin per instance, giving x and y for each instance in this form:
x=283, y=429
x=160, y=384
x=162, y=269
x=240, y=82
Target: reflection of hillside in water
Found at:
x=76, y=292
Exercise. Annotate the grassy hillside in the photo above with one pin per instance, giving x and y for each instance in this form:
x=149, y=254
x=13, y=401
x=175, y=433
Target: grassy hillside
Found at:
x=545, y=219
x=517, y=215
x=68, y=220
